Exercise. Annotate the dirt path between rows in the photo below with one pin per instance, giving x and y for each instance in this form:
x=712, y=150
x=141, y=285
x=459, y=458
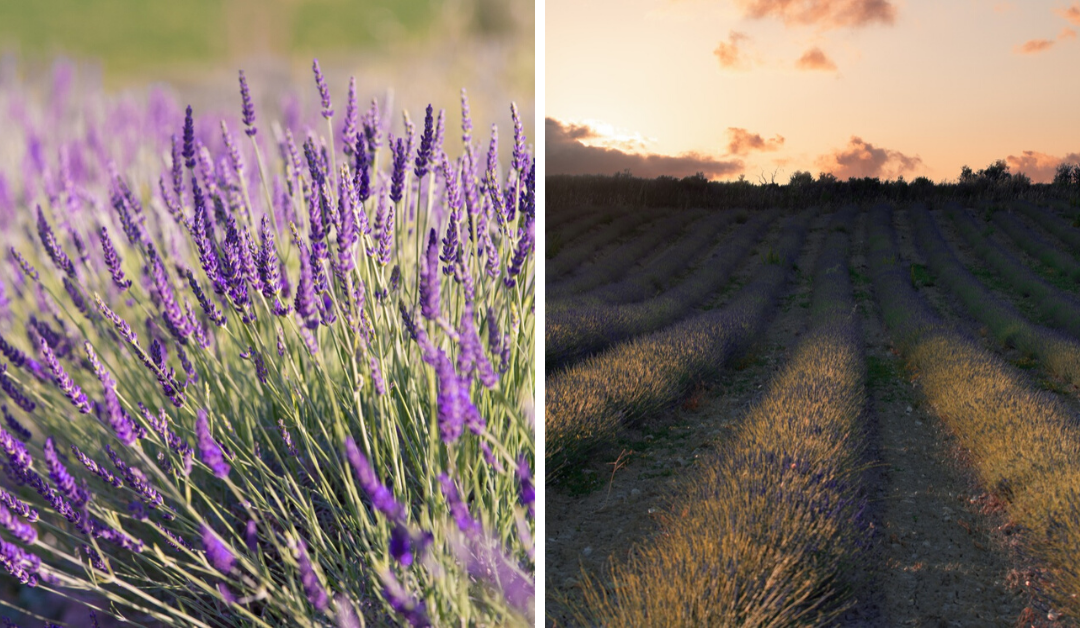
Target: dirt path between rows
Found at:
x=629, y=486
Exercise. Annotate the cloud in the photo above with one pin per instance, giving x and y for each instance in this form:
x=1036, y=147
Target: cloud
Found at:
x=1071, y=14
x=1039, y=166
x=862, y=159
x=566, y=154
x=741, y=142
x=1033, y=46
x=823, y=13
x=1066, y=33
x=815, y=59
x=728, y=52
x=1003, y=7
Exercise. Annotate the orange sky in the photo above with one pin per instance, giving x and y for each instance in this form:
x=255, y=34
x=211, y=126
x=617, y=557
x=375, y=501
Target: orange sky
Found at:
x=854, y=87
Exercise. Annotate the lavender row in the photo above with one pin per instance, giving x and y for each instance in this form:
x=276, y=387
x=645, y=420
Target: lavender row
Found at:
x=643, y=282
x=614, y=264
x=1061, y=229
x=585, y=248
x=1060, y=310
x=1057, y=351
x=588, y=404
x=1024, y=444
x=771, y=523
x=1037, y=246
x=573, y=333
x=567, y=235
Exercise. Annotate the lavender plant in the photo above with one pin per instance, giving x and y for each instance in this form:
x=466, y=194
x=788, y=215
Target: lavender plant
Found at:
x=263, y=382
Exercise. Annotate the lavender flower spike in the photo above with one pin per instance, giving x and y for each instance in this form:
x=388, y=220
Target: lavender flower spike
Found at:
x=247, y=109
x=411, y=609
x=112, y=261
x=63, y=380
x=209, y=450
x=324, y=92
x=423, y=156
x=380, y=496
x=429, y=279
x=314, y=590
x=217, y=552
x=52, y=246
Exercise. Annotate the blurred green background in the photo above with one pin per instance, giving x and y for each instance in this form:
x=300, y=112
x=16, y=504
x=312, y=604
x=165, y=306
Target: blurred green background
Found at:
x=132, y=36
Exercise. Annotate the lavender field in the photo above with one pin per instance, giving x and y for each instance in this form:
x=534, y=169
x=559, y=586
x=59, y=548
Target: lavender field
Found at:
x=823, y=414
x=266, y=367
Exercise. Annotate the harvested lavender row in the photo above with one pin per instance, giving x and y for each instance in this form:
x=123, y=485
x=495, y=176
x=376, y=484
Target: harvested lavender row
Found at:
x=771, y=524
x=585, y=248
x=642, y=283
x=1024, y=444
x=1037, y=246
x=1057, y=351
x=1061, y=310
x=1062, y=230
x=573, y=333
x=263, y=356
x=588, y=403
x=616, y=263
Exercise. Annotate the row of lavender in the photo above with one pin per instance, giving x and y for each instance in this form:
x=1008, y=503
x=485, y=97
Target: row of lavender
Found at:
x=1024, y=443
x=589, y=327
x=588, y=403
x=1060, y=309
x=1059, y=352
x=768, y=528
x=284, y=382
x=608, y=231
x=615, y=264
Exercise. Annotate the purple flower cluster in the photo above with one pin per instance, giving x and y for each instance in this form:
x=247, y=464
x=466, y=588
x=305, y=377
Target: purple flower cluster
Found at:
x=209, y=450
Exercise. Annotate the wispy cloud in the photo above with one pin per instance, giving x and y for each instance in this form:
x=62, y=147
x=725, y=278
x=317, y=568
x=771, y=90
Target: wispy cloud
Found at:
x=1072, y=13
x=1066, y=33
x=742, y=142
x=567, y=154
x=822, y=13
x=729, y=54
x=1033, y=46
x=815, y=59
x=863, y=159
x=1039, y=166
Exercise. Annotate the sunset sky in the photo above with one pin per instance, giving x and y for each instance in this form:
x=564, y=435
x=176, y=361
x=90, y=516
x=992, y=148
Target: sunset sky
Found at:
x=853, y=87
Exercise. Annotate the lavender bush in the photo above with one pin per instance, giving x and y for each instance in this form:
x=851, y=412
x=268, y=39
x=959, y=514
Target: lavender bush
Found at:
x=282, y=377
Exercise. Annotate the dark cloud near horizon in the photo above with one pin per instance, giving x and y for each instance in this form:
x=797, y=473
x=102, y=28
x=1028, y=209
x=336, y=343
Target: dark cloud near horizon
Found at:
x=862, y=159
x=1039, y=167
x=742, y=142
x=566, y=154
x=823, y=13
x=815, y=59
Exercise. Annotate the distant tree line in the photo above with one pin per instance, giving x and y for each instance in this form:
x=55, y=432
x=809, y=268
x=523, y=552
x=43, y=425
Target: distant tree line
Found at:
x=993, y=183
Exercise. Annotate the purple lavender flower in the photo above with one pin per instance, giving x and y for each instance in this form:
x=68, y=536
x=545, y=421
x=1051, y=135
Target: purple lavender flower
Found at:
x=381, y=497
x=362, y=169
x=429, y=279
x=251, y=536
x=177, y=170
x=397, y=178
x=217, y=552
x=247, y=108
x=189, y=140
x=519, y=160
x=490, y=182
x=112, y=261
x=235, y=159
x=96, y=469
x=526, y=489
x=312, y=587
x=14, y=425
x=27, y=269
x=15, y=392
x=524, y=246
x=377, y=377
x=386, y=236
x=16, y=357
x=401, y=544
x=424, y=155
x=304, y=303
x=466, y=121
x=63, y=380
x=209, y=450
x=128, y=209
x=208, y=306
x=52, y=246
x=18, y=528
x=324, y=92
x=60, y=476
x=411, y=609
x=175, y=320
x=348, y=131
x=458, y=509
